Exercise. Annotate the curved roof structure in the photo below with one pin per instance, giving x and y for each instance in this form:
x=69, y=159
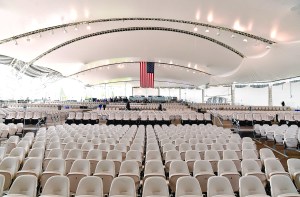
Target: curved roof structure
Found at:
x=193, y=42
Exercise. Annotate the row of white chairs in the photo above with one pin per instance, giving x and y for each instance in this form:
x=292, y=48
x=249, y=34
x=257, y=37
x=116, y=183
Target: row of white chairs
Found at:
x=236, y=107
x=283, y=134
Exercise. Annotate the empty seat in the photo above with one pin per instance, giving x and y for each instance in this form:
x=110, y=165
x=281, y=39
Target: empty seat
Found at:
x=202, y=172
x=294, y=170
x=122, y=187
x=250, y=154
x=58, y=186
x=172, y=155
x=251, y=186
x=153, y=155
x=177, y=170
x=2, y=180
x=32, y=166
x=190, y=157
x=24, y=185
x=228, y=169
x=218, y=147
x=219, y=186
x=231, y=155
x=19, y=153
x=53, y=154
x=250, y=167
x=274, y=167
x=183, y=148
x=106, y=171
x=90, y=186
x=72, y=156
x=213, y=157
x=130, y=169
x=155, y=187
x=80, y=168
x=116, y=157
x=265, y=154
x=86, y=147
x=94, y=156
x=282, y=186
x=56, y=167
x=188, y=187
x=201, y=148
x=8, y=168
x=134, y=155
x=154, y=169
x=235, y=147
x=105, y=148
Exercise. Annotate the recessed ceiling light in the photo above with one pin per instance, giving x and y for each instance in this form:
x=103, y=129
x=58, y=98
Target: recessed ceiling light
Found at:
x=65, y=31
x=219, y=32
x=195, y=28
x=88, y=27
x=16, y=42
x=76, y=28
x=207, y=30
x=268, y=47
x=245, y=40
x=189, y=65
x=232, y=36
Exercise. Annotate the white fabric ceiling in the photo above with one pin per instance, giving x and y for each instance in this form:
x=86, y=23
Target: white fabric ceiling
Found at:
x=275, y=20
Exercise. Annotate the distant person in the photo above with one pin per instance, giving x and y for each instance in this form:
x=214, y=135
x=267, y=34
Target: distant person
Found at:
x=104, y=105
x=160, y=107
x=282, y=103
x=128, y=105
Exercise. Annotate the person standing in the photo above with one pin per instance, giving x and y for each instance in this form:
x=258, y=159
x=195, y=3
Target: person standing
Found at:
x=128, y=105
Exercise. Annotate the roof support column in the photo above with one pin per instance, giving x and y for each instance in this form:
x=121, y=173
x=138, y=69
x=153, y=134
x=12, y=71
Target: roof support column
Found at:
x=270, y=95
x=203, y=94
x=232, y=94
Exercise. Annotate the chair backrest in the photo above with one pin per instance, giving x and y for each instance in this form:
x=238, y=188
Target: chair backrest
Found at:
x=281, y=184
x=192, y=155
x=123, y=186
x=129, y=167
x=114, y=155
x=94, y=154
x=105, y=166
x=293, y=166
x=2, y=181
x=226, y=166
x=211, y=155
x=81, y=166
x=90, y=185
x=155, y=186
x=219, y=185
x=57, y=185
x=24, y=185
x=177, y=167
x=249, y=166
x=230, y=154
x=251, y=185
x=75, y=154
x=201, y=166
x=187, y=186
x=57, y=165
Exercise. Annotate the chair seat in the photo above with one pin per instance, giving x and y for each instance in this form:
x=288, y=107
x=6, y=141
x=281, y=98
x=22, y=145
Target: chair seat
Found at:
x=51, y=195
x=16, y=195
x=86, y=196
x=289, y=195
x=258, y=195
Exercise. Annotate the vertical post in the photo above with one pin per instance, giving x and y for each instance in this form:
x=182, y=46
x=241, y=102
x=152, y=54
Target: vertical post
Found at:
x=270, y=95
x=158, y=91
x=232, y=94
x=125, y=89
x=203, y=94
x=179, y=93
x=105, y=90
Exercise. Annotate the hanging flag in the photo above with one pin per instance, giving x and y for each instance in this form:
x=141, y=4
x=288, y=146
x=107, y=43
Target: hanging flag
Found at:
x=147, y=74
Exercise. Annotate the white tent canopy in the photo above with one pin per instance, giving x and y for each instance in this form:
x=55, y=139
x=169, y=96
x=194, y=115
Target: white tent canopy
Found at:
x=100, y=41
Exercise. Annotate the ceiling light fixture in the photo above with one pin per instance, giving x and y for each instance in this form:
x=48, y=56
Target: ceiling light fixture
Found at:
x=245, y=40
x=88, y=27
x=232, y=36
x=195, y=28
x=207, y=30
x=28, y=39
x=16, y=42
x=219, y=32
x=76, y=28
x=65, y=31
x=268, y=47
x=189, y=65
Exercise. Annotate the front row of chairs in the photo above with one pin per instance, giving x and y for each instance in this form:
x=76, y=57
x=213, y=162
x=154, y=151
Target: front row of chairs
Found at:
x=59, y=186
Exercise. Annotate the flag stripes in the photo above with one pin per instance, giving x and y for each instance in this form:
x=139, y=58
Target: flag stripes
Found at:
x=147, y=74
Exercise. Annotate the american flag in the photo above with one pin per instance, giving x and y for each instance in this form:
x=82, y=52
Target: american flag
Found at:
x=147, y=74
